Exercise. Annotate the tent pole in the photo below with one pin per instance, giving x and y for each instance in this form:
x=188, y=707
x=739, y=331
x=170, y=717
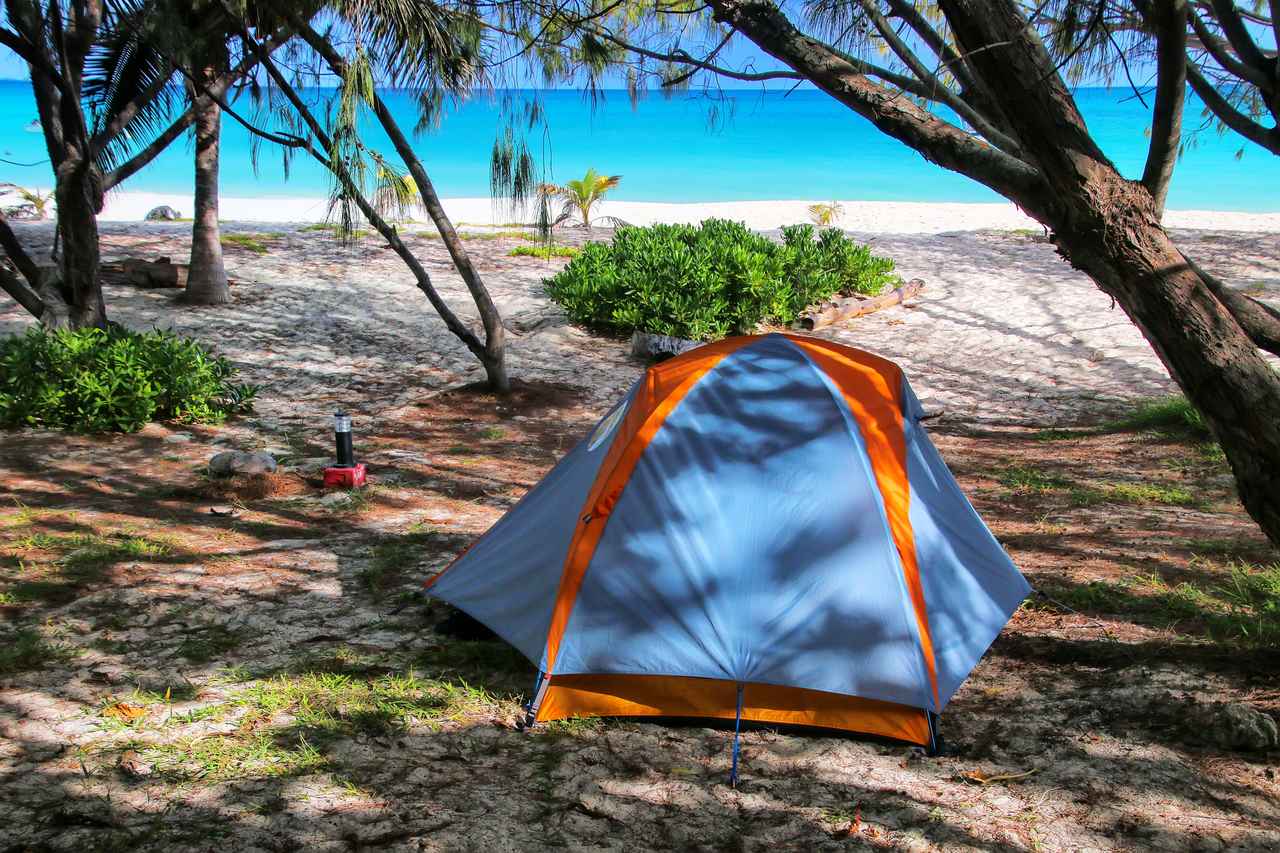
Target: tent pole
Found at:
x=737, y=727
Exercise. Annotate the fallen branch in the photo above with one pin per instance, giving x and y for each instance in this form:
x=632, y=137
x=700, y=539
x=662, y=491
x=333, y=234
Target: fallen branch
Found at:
x=855, y=306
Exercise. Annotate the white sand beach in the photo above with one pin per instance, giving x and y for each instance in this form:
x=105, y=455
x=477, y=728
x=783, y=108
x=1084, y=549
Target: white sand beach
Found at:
x=885, y=217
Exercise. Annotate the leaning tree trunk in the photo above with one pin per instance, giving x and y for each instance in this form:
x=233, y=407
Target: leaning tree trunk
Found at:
x=1124, y=249
x=1109, y=228
x=207, y=279
x=73, y=297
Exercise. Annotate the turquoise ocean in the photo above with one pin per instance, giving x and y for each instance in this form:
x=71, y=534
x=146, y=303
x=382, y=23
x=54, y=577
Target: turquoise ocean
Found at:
x=748, y=145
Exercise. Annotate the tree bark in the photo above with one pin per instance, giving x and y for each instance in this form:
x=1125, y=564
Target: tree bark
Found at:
x=207, y=280
x=1215, y=363
x=1170, y=21
x=1109, y=228
x=78, y=190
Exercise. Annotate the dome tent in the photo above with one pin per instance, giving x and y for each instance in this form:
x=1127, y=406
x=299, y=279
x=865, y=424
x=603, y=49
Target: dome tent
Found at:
x=760, y=530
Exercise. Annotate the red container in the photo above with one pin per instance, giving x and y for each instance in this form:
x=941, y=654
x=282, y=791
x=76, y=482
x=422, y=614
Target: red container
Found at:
x=345, y=478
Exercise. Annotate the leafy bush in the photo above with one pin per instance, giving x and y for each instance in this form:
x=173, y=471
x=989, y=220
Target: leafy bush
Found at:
x=91, y=380
x=715, y=279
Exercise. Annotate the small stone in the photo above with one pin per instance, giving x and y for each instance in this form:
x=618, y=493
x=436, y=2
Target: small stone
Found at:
x=230, y=462
x=163, y=213
x=1232, y=725
x=178, y=438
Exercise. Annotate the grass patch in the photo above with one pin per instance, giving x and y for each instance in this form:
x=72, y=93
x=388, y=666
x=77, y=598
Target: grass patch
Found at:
x=573, y=727
x=1135, y=494
x=351, y=502
x=1169, y=417
x=25, y=649
x=334, y=229
x=256, y=755
x=544, y=252
x=1024, y=479
x=1021, y=478
x=87, y=556
x=255, y=243
x=1148, y=493
x=493, y=433
x=497, y=235
x=285, y=722
x=1060, y=434
x=1241, y=608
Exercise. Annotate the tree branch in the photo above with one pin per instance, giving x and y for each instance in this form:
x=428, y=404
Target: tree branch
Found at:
x=149, y=152
x=489, y=316
x=1260, y=322
x=1238, y=35
x=1268, y=138
x=24, y=294
x=127, y=112
x=339, y=170
x=1221, y=53
x=939, y=141
x=37, y=61
x=935, y=87
x=1169, y=20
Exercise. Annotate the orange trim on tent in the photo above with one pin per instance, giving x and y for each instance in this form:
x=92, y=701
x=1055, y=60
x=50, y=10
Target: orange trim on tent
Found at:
x=664, y=387
x=667, y=696
x=872, y=388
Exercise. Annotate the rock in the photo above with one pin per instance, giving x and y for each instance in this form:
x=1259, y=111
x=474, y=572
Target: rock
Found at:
x=1232, y=725
x=178, y=438
x=658, y=347
x=230, y=462
x=163, y=213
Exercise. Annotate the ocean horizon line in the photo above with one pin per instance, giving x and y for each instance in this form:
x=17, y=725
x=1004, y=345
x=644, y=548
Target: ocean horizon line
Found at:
x=749, y=145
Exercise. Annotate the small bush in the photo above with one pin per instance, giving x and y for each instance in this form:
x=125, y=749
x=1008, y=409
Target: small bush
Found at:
x=715, y=279
x=91, y=380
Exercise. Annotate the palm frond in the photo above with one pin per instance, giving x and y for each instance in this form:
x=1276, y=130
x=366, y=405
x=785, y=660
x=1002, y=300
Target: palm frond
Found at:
x=123, y=66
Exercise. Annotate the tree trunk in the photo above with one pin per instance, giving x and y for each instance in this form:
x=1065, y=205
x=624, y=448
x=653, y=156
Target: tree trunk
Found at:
x=207, y=281
x=1106, y=226
x=1122, y=247
x=79, y=194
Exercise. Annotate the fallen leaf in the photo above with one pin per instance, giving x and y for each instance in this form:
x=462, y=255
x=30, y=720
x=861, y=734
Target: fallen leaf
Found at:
x=124, y=712
x=983, y=779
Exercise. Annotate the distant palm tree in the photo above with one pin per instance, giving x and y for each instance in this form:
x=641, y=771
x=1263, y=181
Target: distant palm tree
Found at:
x=581, y=196
x=826, y=213
x=36, y=200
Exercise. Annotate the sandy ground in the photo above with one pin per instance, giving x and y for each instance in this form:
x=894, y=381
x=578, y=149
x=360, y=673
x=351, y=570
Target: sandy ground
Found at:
x=254, y=672
x=1005, y=332
x=868, y=216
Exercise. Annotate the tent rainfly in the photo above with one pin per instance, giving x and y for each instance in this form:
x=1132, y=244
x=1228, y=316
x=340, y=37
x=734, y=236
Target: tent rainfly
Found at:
x=760, y=530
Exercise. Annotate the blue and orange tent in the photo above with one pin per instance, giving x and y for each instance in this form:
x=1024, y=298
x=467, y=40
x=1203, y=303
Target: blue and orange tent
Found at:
x=760, y=530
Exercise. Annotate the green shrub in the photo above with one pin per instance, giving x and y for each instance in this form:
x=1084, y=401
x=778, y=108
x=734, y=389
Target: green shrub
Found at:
x=91, y=380
x=711, y=280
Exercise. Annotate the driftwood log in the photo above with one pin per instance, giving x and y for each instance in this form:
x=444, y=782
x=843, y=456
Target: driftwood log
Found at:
x=158, y=273
x=839, y=310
